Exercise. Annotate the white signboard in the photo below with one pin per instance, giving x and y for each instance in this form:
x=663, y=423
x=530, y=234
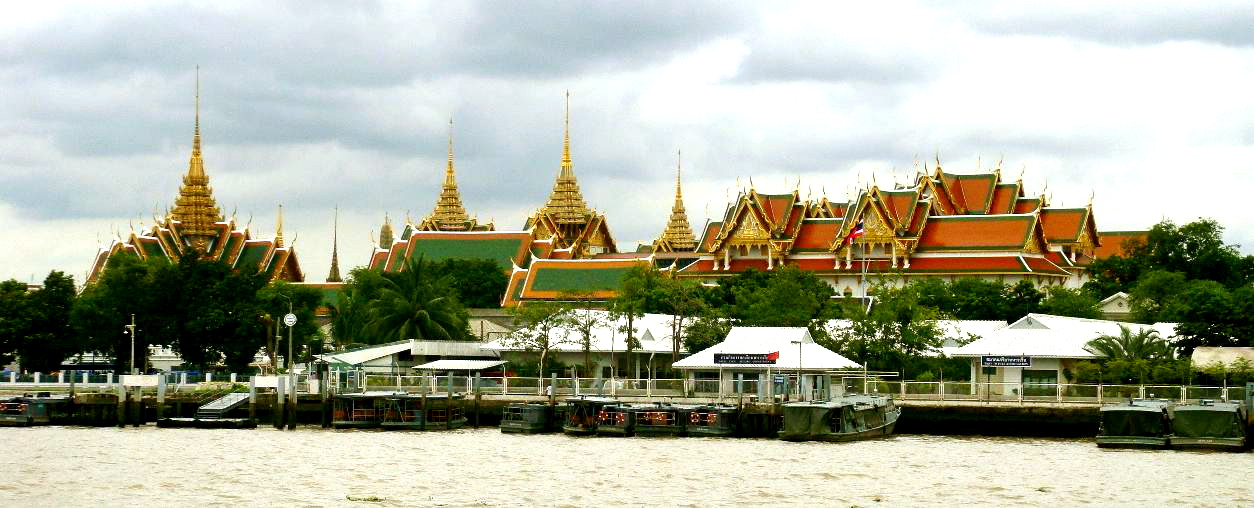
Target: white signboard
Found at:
x=289, y=319
x=136, y=380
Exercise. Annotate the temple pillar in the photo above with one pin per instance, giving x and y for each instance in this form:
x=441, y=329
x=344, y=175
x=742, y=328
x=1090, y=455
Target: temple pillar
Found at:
x=726, y=259
x=770, y=263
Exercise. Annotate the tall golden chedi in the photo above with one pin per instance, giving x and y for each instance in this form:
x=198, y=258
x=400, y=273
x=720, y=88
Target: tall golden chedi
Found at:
x=678, y=234
x=449, y=214
x=566, y=218
x=195, y=226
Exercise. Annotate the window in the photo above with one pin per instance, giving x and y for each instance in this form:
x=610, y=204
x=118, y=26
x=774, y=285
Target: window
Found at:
x=1040, y=382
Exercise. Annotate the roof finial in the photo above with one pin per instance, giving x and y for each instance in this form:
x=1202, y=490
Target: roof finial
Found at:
x=334, y=274
x=196, y=136
x=278, y=232
x=449, y=170
x=679, y=166
x=566, y=163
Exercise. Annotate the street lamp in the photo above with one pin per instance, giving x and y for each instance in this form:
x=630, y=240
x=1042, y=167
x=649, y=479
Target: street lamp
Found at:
x=130, y=330
x=290, y=321
x=800, y=392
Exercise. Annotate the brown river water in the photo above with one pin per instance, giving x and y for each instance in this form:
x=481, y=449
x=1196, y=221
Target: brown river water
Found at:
x=147, y=466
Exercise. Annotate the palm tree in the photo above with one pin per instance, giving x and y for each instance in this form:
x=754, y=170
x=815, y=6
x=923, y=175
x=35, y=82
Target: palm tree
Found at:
x=1145, y=344
x=413, y=305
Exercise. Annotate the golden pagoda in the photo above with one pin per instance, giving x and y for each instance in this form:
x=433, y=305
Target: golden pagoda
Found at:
x=195, y=226
x=195, y=209
x=334, y=274
x=566, y=218
x=449, y=214
x=678, y=235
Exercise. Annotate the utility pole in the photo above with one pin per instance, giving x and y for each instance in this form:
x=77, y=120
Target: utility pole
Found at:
x=130, y=330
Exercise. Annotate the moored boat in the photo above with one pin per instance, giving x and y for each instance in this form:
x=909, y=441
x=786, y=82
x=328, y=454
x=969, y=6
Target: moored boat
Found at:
x=529, y=418
x=848, y=418
x=1209, y=425
x=581, y=415
x=615, y=420
x=1135, y=424
x=656, y=420
x=27, y=410
x=709, y=420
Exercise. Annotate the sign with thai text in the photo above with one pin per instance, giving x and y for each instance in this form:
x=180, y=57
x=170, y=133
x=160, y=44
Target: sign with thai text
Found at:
x=1005, y=361
x=746, y=358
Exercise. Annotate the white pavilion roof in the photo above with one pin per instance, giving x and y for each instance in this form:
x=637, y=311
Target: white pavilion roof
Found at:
x=765, y=340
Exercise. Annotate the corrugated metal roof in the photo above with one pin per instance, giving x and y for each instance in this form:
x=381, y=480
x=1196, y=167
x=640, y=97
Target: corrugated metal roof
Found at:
x=460, y=365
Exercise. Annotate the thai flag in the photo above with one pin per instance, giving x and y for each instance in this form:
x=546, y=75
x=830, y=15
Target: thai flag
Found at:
x=857, y=232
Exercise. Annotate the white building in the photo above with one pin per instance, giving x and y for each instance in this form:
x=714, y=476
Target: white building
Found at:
x=1038, y=349
x=763, y=362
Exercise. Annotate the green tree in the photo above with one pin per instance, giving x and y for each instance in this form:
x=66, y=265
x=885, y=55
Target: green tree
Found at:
x=708, y=329
x=350, y=316
x=15, y=319
x=1155, y=294
x=273, y=302
x=897, y=330
x=682, y=300
x=638, y=287
x=1207, y=314
x=583, y=322
x=539, y=329
x=1061, y=301
x=1021, y=299
x=415, y=305
x=976, y=298
x=1143, y=344
x=480, y=284
x=788, y=296
x=50, y=339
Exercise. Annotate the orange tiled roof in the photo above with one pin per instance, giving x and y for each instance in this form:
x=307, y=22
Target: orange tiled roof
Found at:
x=1113, y=242
x=817, y=234
x=1063, y=225
x=993, y=232
x=1004, y=199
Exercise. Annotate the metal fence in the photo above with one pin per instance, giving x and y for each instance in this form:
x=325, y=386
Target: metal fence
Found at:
x=355, y=381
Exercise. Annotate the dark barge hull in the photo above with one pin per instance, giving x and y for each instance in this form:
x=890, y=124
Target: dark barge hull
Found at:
x=579, y=430
x=1135, y=442
x=878, y=432
x=1231, y=444
x=207, y=423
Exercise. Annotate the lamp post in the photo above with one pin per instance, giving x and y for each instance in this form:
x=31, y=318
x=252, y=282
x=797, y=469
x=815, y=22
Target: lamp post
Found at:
x=290, y=321
x=130, y=330
x=800, y=392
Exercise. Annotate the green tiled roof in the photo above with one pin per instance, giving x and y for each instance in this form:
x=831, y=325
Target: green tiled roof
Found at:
x=499, y=251
x=252, y=256
x=231, y=244
x=153, y=249
x=604, y=279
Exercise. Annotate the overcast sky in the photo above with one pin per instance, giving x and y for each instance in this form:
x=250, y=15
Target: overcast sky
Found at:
x=1148, y=107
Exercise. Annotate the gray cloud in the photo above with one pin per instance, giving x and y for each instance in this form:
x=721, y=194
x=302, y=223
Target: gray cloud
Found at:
x=1121, y=22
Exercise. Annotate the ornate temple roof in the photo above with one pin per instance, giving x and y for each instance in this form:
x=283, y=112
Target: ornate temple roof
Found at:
x=195, y=209
x=566, y=204
x=678, y=233
x=334, y=274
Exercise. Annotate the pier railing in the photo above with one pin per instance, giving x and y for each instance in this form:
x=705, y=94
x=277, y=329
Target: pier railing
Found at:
x=351, y=381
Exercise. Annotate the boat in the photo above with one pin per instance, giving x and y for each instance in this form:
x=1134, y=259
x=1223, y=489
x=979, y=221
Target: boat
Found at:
x=356, y=410
x=1135, y=424
x=1209, y=425
x=615, y=420
x=529, y=418
x=26, y=410
x=656, y=420
x=709, y=420
x=848, y=418
x=396, y=411
x=581, y=414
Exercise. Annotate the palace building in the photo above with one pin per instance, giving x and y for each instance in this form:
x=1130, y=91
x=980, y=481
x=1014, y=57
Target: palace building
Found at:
x=195, y=225
x=944, y=225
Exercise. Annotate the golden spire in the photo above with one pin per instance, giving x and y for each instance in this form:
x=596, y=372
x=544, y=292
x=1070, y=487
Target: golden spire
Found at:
x=278, y=232
x=195, y=209
x=334, y=275
x=678, y=231
x=566, y=204
x=449, y=214
x=385, y=233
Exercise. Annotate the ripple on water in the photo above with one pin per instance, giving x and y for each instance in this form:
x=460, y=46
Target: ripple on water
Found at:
x=314, y=467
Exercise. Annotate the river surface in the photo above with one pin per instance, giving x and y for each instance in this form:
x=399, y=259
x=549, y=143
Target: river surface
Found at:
x=147, y=466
